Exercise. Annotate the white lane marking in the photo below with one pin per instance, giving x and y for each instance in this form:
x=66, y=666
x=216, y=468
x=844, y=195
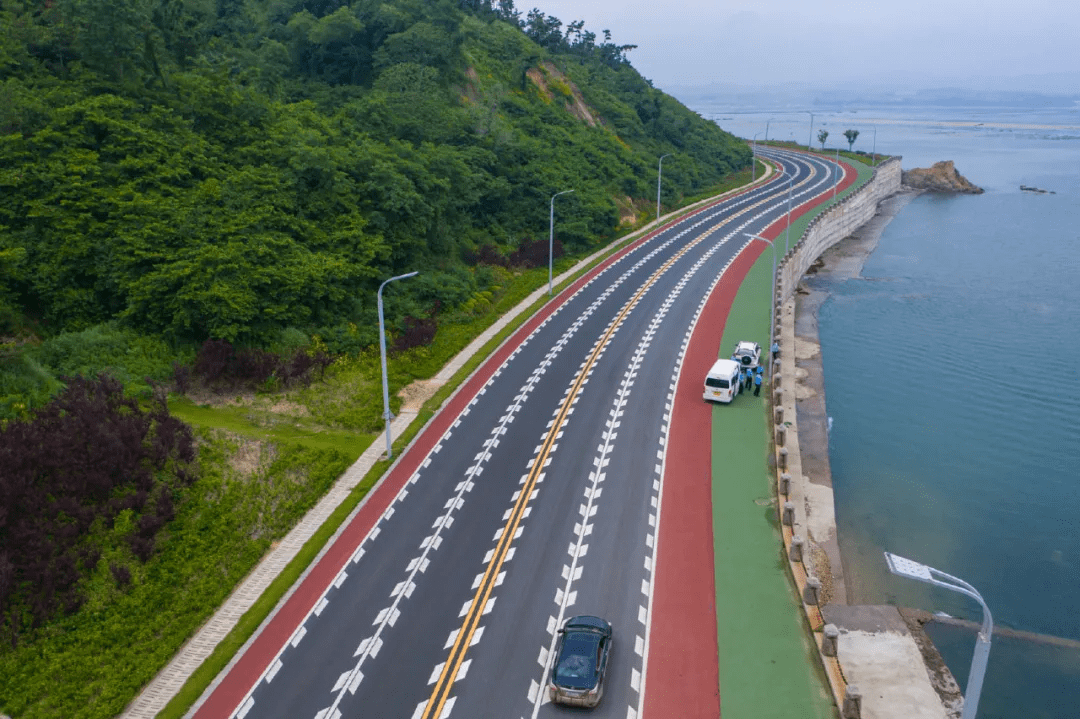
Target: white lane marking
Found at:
x=245, y=708
x=274, y=669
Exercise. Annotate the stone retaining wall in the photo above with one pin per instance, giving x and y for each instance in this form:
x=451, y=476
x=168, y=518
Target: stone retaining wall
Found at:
x=835, y=224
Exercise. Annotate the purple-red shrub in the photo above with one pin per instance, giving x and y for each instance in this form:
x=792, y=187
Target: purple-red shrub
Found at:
x=91, y=453
x=534, y=253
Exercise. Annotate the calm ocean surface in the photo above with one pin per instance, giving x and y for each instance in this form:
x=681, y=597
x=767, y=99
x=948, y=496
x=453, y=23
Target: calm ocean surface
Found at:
x=952, y=380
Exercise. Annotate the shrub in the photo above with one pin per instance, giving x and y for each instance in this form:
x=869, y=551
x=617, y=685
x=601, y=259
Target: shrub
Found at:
x=418, y=333
x=121, y=574
x=488, y=254
x=534, y=253
x=67, y=474
x=293, y=340
x=224, y=368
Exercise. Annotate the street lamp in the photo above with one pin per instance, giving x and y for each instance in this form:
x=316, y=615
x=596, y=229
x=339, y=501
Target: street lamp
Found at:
x=382, y=353
x=922, y=573
x=659, y=174
x=810, y=142
x=837, y=182
x=767, y=129
x=753, y=160
x=772, y=286
x=787, y=233
x=551, y=235
x=874, y=161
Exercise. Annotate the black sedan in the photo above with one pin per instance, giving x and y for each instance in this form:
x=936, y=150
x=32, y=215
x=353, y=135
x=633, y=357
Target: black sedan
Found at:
x=581, y=659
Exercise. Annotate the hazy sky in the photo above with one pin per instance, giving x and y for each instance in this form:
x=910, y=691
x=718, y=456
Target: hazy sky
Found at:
x=920, y=43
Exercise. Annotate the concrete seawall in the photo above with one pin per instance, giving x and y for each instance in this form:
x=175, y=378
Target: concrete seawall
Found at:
x=878, y=664
x=835, y=224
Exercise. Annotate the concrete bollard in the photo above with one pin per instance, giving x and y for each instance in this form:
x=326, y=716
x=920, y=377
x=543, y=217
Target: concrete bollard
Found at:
x=776, y=367
x=795, y=553
x=778, y=393
x=830, y=640
x=782, y=460
x=788, y=516
x=776, y=380
x=852, y=703
x=812, y=590
x=780, y=435
x=779, y=415
x=785, y=484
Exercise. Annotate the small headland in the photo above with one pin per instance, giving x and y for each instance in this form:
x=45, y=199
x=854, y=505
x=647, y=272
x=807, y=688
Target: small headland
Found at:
x=940, y=177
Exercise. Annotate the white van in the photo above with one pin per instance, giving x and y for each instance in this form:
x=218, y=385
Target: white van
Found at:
x=722, y=382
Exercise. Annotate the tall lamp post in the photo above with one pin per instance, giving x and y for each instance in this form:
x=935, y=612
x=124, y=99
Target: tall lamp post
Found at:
x=382, y=354
x=920, y=572
x=753, y=160
x=659, y=174
x=767, y=129
x=837, y=182
x=551, y=236
x=810, y=142
x=874, y=152
x=772, y=286
x=787, y=232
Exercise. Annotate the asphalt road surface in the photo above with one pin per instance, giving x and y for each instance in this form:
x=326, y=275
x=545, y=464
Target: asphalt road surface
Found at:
x=537, y=503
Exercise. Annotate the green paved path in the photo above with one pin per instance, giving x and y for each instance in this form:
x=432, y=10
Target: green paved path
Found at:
x=766, y=666
x=768, y=662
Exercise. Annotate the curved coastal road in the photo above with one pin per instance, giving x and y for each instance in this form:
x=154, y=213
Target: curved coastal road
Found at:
x=534, y=495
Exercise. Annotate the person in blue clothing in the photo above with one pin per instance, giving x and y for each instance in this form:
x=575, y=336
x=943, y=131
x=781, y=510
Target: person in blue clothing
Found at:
x=742, y=377
x=758, y=376
x=775, y=350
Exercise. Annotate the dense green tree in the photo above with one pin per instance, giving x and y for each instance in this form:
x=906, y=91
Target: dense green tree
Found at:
x=220, y=168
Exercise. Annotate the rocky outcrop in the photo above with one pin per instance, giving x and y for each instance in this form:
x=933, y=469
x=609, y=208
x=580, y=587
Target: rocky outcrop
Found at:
x=942, y=177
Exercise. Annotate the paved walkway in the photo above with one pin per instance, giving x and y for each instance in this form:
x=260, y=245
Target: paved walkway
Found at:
x=768, y=662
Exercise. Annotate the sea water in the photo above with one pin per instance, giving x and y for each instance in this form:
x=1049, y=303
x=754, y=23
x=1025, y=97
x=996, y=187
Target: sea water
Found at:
x=951, y=372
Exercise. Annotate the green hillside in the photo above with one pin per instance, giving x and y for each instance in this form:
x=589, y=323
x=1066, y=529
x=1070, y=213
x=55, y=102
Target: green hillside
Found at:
x=227, y=169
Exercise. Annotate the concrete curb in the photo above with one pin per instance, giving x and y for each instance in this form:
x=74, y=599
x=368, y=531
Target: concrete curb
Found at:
x=171, y=679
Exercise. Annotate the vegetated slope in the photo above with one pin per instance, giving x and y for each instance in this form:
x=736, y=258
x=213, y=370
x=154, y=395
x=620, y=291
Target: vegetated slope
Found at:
x=229, y=169
x=173, y=171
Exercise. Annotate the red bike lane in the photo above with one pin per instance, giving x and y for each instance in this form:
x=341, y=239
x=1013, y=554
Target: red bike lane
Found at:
x=682, y=673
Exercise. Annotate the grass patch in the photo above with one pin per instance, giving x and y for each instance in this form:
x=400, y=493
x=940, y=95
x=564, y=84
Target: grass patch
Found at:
x=265, y=425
